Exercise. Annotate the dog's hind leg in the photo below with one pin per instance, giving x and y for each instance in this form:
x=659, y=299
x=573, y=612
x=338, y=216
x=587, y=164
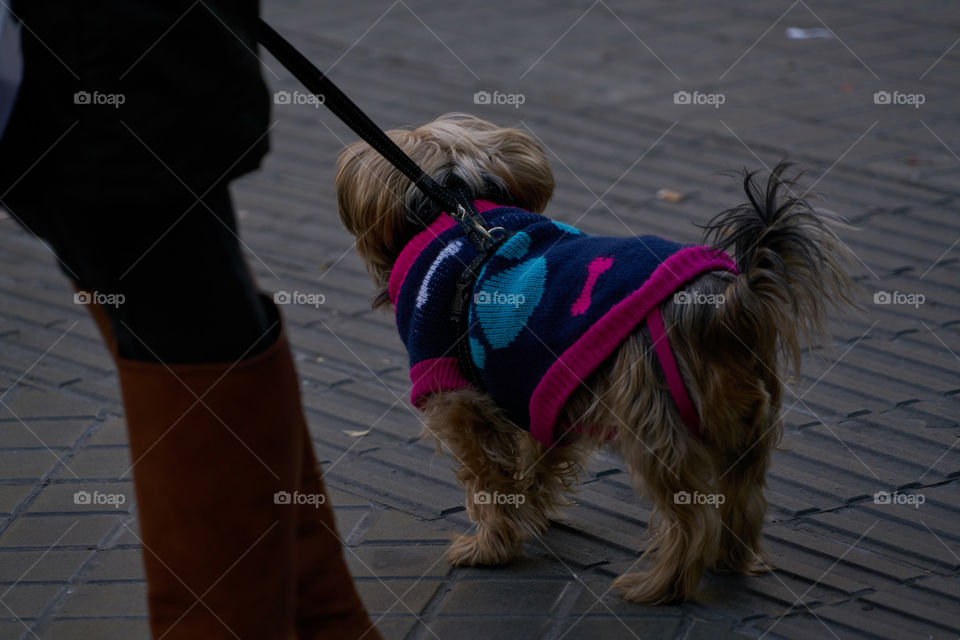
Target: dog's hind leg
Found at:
x=685, y=528
x=742, y=484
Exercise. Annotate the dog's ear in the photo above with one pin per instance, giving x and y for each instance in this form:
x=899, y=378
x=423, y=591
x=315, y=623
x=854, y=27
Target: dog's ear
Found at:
x=520, y=162
x=370, y=197
x=511, y=156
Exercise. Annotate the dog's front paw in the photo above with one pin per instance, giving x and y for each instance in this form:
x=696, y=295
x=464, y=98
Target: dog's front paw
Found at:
x=485, y=547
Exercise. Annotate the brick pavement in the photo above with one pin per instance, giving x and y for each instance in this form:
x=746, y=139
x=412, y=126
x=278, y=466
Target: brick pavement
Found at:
x=877, y=408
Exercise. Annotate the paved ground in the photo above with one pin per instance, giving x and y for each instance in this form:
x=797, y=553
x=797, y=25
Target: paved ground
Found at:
x=876, y=410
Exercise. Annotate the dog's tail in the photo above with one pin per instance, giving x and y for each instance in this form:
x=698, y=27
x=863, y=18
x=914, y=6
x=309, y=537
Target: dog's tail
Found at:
x=791, y=272
x=791, y=266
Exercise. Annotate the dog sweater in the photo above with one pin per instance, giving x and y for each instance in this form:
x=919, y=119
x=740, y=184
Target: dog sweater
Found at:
x=549, y=306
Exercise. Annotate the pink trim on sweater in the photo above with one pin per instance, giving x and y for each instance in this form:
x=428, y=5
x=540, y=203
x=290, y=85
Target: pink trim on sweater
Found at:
x=433, y=375
x=678, y=391
x=412, y=251
x=600, y=340
x=415, y=247
x=485, y=205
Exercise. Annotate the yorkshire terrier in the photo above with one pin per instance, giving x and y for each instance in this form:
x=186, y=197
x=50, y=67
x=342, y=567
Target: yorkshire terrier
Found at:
x=672, y=355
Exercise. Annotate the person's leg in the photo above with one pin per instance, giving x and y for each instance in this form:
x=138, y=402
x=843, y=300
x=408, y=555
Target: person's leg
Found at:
x=98, y=185
x=177, y=266
x=216, y=431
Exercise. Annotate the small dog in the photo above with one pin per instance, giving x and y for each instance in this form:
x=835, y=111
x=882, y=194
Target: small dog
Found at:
x=688, y=390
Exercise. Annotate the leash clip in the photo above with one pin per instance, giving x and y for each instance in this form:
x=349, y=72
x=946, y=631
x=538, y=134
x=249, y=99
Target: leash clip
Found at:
x=477, y=225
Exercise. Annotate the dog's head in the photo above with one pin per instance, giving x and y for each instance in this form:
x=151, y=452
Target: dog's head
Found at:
x=494, y=163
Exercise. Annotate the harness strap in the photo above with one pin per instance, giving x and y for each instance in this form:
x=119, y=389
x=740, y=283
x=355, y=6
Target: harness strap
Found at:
x=661, y=344
x=460, y=317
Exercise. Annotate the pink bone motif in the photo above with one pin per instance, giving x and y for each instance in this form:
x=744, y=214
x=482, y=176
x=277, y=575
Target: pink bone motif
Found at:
x=594, y=270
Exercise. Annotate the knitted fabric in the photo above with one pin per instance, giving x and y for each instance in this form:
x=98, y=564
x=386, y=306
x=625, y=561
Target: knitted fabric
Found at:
x=548, y=308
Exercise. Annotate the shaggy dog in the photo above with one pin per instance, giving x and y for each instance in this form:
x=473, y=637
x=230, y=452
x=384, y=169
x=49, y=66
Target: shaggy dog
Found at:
x=702, y=460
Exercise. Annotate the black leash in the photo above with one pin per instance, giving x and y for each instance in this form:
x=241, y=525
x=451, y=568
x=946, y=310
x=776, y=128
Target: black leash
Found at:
x=456, y=201
x=456, y=205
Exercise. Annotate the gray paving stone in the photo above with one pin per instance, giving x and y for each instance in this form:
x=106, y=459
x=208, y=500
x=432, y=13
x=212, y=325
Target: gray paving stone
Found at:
x=108, y=463
x=83, y=498
x=817, y=571
x=102, y=388
x=99, y=629
x=493, y=597
x=480, y=628
x=622, y=628
x=96, y=600
x=912, y=603
x=41, y=565
x=346, y=520
x=396, y=526
x=129, y=535
x=28, y=600
x=340, y=498
x=576, y=550
x=398, y=561
x=396, y=596
x=17, y=359
x=394, y=626
x=869, y=563
x=853, y=619
x=117, y=564
x=12, y=495
x=894, y=538
x=27, y=463
x=45, y=531
x=13, y=628
x=701, y=630
x=112, y=431
x=55, y=434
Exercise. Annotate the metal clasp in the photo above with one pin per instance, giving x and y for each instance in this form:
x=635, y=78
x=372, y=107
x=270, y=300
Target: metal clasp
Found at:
x=463, y=216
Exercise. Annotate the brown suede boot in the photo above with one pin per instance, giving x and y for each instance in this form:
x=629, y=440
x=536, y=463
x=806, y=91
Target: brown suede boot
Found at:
x=225, y=556
x=211, y=445
x=328, y=605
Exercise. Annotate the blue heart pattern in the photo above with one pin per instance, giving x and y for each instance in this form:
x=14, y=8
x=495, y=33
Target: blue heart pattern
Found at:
x=513, y=295
x=506, y=300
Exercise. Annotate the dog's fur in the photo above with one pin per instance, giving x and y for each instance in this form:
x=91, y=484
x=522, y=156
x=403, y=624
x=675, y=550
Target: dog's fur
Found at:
x=732, y=357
